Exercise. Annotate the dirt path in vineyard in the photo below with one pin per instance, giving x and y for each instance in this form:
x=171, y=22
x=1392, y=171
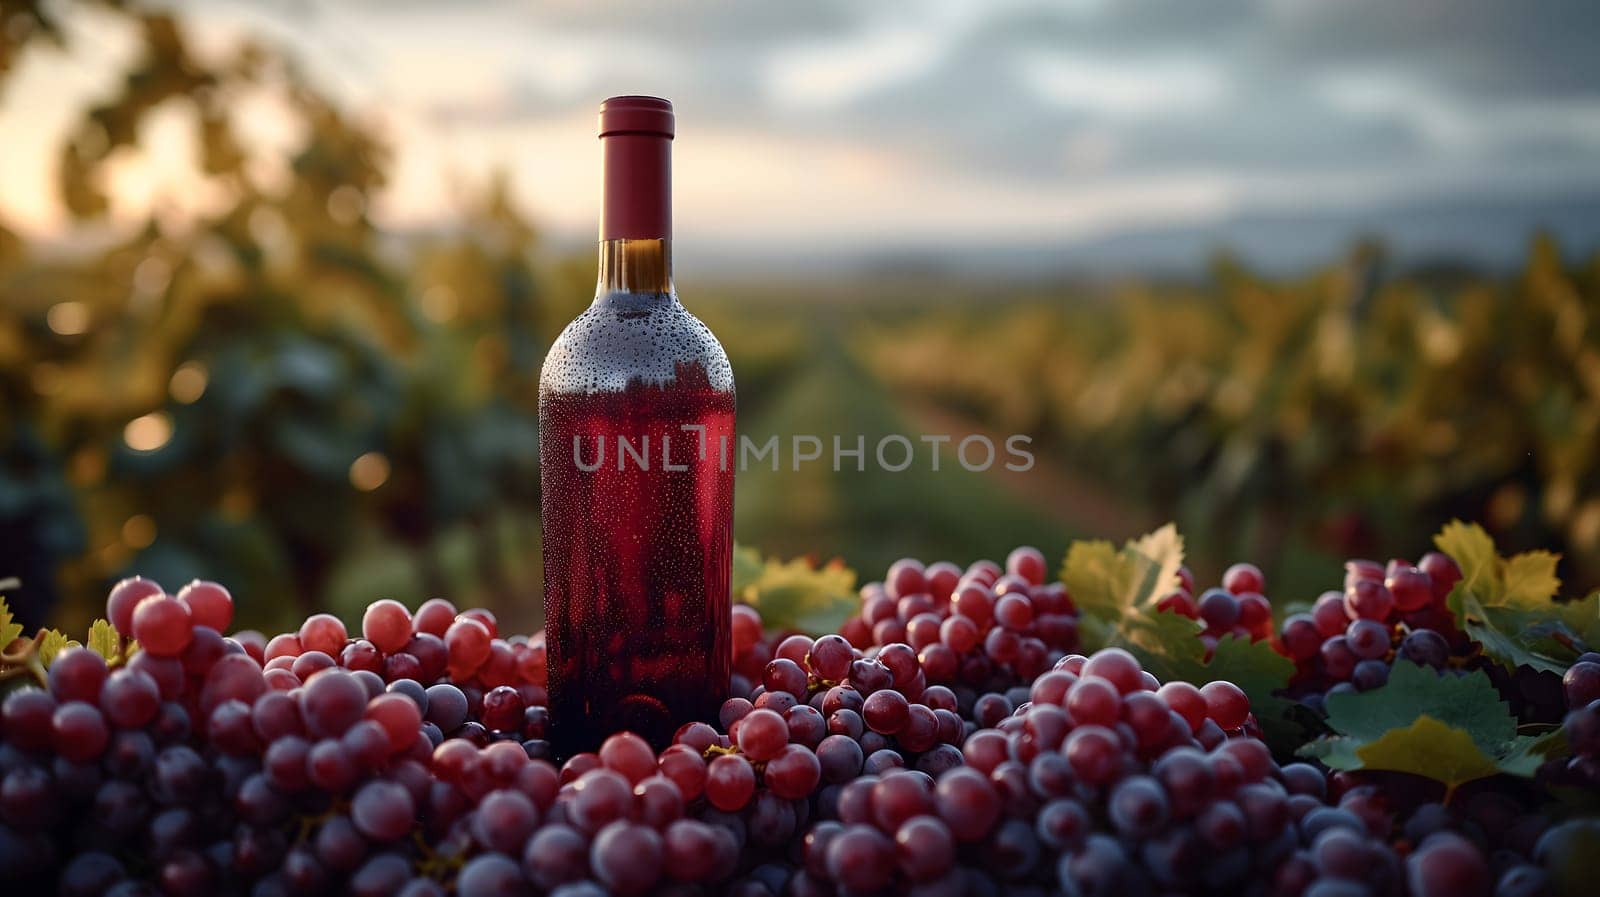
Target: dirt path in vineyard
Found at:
x=1079, y=503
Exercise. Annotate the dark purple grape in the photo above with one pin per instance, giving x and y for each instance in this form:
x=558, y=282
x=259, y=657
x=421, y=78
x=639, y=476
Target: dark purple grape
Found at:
x=1138, y=807
x=626, y=857
x=554, y=856
x=1369, y=674
x=1447, y=865
x=491, y=875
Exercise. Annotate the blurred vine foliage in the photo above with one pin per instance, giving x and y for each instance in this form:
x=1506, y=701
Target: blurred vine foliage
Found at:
x=1315, y=417
x=277, y=395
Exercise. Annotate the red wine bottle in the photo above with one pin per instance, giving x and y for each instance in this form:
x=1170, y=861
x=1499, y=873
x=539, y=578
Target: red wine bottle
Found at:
x=636, y=443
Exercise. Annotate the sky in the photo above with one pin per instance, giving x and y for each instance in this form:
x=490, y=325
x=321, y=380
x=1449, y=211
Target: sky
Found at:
x=1149, y=128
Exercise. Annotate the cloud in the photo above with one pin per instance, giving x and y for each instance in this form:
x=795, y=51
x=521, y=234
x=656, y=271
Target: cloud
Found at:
x=1242, y=101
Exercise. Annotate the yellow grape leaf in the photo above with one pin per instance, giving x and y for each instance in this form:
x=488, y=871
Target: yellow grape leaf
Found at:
x=1165, y=548
x=1509, y=606
x=10, y=629
x=1432, y=749
x=53, y=642
x=1530, y=579
x=1526, y=581
x=104, y=641
x=1112, y=584
x=1472, y=550
x=802, y=596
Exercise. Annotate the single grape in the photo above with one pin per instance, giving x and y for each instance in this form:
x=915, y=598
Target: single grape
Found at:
x=730, y=782
x=905, y=577
x=886, y=712
x=503, y=709
x=209, y=604
x=602, y=796
x=1338, y=660
x=861, y=858
x=332, y=702
x=491, y=875
x=383, y=811
x=387, y=625
x=1138, y=807
x=1369, y=674
x=468, y=643
x=1447, y=865
x=794, y=773
x=1241, y=578
x=763, y=733
x=1368, y=600
x=1368, y=639
x=1219, y=609
x=1226, y=704
x=78, y=731
x=124, y=597
x=162, y=626
x=626, y=858
x=77, y=674
x=1425, y=647
x=1301, y=636
x=1581, y=683
x=554, y=856
x=504, y=820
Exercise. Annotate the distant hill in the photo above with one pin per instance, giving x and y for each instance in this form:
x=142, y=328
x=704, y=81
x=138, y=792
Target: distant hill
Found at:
x=1491, y=234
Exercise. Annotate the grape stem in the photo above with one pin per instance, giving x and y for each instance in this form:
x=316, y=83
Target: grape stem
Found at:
x=18, y=662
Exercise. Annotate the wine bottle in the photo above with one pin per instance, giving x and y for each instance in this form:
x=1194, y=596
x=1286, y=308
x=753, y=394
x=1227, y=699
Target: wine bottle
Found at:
x=636, y=442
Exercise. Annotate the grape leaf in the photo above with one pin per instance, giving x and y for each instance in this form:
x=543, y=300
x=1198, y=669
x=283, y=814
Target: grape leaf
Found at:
x=1508, y=604
x=51, y=643
x=1113, y=585
x=1430, y=749
x=1452, y=729
x=104, y=641
x=10, y=630
x=802, y=596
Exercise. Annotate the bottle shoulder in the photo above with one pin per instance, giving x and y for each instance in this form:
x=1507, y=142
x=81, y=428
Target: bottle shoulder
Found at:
x=622, y=339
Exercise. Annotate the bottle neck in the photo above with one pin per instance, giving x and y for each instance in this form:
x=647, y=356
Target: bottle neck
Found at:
x=635, y=266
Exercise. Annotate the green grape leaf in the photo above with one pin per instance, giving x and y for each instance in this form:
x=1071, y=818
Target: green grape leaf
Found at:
x=1508, y=604
x=1452, y=729
x=10, y=629
x=800, y=595
x=104, y=640
x=51, y=643
x=1114, y=585
x=1167, y=644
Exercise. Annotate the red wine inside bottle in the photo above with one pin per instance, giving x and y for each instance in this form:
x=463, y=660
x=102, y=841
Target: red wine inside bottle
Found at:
x=637, y=451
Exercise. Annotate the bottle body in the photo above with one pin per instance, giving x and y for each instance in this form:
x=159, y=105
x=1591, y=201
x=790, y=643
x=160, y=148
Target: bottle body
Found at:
x=636, y=422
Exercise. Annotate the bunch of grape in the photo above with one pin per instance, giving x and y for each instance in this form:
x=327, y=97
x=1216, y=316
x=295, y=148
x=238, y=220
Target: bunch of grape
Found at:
x=1350, y=640
x=185, y=766
x=409, y=760
x=1482, y=842
x=1581, y=690
x=985, y=633
x=503, y=680
x=1238, y=608
x=1104, y=783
